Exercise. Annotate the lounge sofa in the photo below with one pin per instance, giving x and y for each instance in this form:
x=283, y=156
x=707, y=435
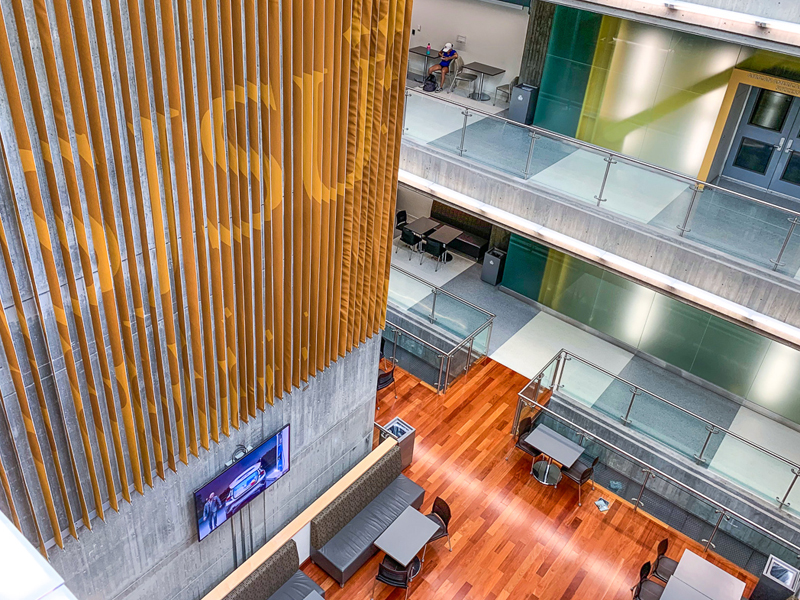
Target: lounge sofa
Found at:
x=277, y=578
x=344, y=532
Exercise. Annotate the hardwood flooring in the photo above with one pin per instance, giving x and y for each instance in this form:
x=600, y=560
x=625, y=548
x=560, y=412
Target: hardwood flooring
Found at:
x=512, y=537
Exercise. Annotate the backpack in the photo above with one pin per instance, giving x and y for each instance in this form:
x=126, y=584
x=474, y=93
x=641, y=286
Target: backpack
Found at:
x=430, y=84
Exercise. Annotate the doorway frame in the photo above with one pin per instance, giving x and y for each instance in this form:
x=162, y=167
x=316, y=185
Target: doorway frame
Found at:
x=741, y=77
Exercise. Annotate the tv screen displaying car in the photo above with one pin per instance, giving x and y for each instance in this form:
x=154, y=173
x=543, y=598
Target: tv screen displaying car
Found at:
x=226, y=494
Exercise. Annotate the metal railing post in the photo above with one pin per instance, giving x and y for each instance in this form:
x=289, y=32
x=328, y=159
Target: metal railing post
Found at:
x=561, y=364
x=405, y=109
x=469, y=354
x=394, y=350
x=439, y=387
x=433, y=306
x=777, y=262
x=637, y=502
x=685, y=227
x=783, y=502
x=517, y=413
x=467, y=115
x=609, y=161
x=710, y=541
x=533, y=137
x=635, y=391
x=711, y=431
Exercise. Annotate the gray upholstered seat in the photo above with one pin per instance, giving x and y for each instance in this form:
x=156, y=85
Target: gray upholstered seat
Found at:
x=277, y=578
x=297, y=588
x=353, y=545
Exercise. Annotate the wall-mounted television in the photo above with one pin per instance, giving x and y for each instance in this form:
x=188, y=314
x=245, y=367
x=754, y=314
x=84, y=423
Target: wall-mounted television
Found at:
x=226, y=494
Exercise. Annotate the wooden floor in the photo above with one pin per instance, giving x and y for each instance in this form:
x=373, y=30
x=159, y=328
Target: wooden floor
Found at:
x=512, y=537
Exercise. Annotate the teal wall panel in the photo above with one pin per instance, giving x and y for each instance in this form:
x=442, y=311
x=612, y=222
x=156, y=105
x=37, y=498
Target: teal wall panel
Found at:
x=525, y=265
x=567, y=67
x=723, y=353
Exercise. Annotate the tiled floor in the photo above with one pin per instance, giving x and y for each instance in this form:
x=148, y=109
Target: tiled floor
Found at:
x=525, y=339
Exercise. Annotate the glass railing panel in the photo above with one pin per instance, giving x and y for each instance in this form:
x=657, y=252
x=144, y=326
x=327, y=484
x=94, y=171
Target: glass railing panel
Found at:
x=413, y=356
x=432, y=121
x=407, y=292
x=671, y=426
x=641, y=194
x=748, y=547
x=740, y=227
x=679, y=508
x=497, y=143
x=568, y=168
x=593, y=388
x=480, y=343
x=456, y=317
x=753, y=469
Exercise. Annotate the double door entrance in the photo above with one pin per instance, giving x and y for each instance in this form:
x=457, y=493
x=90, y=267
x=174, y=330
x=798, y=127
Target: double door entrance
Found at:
x=766, y=148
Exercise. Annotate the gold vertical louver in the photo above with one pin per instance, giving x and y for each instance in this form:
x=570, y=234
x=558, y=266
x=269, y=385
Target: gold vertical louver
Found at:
x=196, y=205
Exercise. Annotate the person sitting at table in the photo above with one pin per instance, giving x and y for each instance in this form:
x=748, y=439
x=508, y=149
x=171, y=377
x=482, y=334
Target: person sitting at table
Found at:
x=447, y=54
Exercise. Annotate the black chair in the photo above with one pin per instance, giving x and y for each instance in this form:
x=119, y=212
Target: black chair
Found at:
x=410, y=239
x=386, y=378
x=664, y=566
x=437, y=250
x=525, y=427
x=440, y=514
x=400, y=220
x=646, y=589
x=581, y=473
x=393, y=573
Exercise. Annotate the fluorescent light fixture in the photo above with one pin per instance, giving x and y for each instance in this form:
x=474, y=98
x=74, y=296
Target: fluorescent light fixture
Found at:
x=651, y=277
x=729, y=15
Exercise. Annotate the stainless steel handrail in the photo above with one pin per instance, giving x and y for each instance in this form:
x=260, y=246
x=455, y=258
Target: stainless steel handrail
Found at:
x=661, y=474
x=418, y=339
x=443, y=291
x=472, y=335
x=688, y=412
x=605, y=151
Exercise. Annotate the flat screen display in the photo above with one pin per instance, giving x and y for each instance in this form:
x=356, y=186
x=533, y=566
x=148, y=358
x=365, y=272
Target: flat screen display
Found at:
x=226, y=494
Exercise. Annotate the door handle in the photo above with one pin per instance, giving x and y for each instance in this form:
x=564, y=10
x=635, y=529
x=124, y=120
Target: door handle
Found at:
x=789, y=146
x=779, y=147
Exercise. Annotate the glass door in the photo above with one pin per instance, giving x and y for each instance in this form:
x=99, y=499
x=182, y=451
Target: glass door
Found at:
x=786, y=179
x=762, y=138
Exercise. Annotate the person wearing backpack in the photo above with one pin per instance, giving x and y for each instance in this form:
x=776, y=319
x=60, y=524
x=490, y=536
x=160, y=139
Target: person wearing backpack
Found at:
x=447, y=54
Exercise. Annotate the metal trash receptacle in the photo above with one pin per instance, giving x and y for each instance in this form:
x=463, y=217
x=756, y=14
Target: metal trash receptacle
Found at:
x=404, y=434
x=494, y=261
x=522, y=104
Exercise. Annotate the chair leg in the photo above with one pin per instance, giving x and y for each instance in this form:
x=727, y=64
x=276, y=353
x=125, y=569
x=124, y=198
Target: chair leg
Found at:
x=395, y=388
x=408, y=589
x=579, y=496
x=374, y=583
x=424, y=550
x=449, y=545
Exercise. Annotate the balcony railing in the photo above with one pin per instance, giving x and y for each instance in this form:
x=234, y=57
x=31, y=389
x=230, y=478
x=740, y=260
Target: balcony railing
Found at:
x=757, y=231
x=717, y=527
x=767, y=474
x=449, y=333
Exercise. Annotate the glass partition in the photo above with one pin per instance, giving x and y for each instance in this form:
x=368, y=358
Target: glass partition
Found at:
x=763, y=473
x=734, y=224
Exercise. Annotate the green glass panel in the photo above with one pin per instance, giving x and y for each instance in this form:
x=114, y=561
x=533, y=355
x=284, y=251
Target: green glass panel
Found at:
x=525, y=266
x=777, y=384
x=621, y=308
x=570, y=286
x=729, y=356
x=674, y=331
x=570, y=51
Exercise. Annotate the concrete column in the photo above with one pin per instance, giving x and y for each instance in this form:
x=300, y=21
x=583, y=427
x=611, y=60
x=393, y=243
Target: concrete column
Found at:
x=540, y=23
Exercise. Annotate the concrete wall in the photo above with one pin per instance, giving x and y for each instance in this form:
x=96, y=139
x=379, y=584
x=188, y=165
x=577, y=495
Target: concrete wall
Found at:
x=495, y=34
x=149, y=550
x=728, y=278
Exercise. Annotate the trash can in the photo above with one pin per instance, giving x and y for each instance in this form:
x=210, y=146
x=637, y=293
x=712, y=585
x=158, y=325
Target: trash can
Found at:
x=493, y=264
x=405, y=434
x=522, y=103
